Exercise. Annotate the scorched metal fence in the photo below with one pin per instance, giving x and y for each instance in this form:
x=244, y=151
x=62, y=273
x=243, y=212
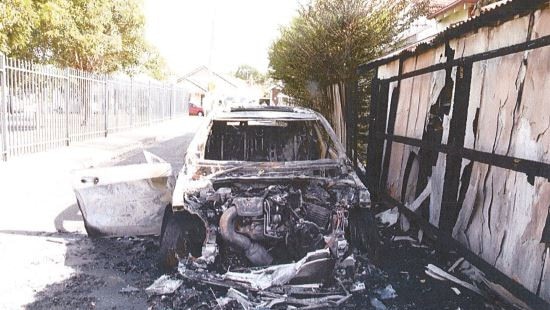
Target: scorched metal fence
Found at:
x=44, y=107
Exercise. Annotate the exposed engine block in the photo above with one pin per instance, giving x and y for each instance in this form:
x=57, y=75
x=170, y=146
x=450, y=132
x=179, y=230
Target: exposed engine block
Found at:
x=293, y=219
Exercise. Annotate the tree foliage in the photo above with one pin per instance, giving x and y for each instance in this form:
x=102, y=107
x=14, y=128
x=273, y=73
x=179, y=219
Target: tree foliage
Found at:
x=93, y=35
x=17, y=18
x=249, y=73
x=329, y=39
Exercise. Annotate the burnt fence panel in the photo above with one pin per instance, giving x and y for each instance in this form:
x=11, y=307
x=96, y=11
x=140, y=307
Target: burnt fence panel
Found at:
x=466, y=120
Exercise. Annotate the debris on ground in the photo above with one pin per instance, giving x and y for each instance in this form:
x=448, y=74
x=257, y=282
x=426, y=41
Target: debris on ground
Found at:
x=386, y=293
x=357, y=287
x=491, y=288
x=317, y=281
x=241, y=298
x=314, y=267
x=457, y=291
x=132, y=262
x=440, y=274
x=456, y=264
x=129, y=289
x=304, y=283
x=164, y=285
x=377, y=304
x=388, y=217
x=403, y=238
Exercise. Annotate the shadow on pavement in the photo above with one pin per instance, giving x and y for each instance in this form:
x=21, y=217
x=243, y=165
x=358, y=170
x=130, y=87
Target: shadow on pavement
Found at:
x=34, y=233
x=71, y=214
x=103, y=269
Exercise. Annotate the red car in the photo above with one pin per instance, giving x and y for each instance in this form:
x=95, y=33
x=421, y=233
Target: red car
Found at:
x=195, y=110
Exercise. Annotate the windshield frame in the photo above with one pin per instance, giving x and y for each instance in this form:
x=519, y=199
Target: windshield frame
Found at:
x=196, y=150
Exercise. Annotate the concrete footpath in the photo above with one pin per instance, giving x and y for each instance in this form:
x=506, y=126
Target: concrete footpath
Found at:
x=35, y=189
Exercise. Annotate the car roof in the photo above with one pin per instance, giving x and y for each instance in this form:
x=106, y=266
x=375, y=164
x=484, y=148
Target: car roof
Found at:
x=266, y=112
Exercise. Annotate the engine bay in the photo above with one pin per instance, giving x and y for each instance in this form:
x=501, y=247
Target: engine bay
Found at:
x=275, y=222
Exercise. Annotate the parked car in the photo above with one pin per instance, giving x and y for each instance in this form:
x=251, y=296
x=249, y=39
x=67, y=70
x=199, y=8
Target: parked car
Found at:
x=271, y=184
x=195, y=110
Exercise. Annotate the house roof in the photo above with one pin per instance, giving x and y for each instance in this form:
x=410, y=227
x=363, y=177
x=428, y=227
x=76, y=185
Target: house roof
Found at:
x=188, y=77
x=193, y=72
x=194, y=84
x=439, y=7
x=436, y=5
x=490, y=16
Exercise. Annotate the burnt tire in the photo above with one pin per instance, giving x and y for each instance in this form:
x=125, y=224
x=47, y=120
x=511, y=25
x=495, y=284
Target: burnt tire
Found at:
x=91, y=231
x=364, y=231
x=174, y=242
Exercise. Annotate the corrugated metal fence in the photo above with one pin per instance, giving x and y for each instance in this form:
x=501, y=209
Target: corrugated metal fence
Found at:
x=44, y=107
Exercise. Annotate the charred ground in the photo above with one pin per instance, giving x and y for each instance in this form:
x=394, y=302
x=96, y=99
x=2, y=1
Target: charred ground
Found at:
x=112, y=273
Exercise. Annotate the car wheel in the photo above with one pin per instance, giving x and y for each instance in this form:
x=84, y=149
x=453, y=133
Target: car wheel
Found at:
x=91, y=231
x=200, y=114
x=174, y=242
x=364, y=231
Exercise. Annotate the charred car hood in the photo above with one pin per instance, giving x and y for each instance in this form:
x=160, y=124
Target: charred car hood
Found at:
x=210, y=175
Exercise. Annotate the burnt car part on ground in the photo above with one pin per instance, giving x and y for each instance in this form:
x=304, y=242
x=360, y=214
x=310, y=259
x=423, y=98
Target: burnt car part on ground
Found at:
x=298, y=284
x=124, y=200
x=354, y=283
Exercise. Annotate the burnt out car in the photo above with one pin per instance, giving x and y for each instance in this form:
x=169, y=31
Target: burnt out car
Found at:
x=270, y=183
x=267, y=184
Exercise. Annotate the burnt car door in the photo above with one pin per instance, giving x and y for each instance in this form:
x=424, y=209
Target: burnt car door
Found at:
x=124, y=200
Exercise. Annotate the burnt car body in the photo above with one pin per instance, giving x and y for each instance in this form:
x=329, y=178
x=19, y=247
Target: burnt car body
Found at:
x=270, y=184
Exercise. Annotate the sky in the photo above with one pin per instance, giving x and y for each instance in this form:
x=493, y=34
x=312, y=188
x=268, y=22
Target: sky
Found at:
x=221, y=34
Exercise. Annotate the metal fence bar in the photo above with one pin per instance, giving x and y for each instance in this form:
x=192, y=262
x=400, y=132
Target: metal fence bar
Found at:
x=42, y=107
x=4, y=106
x=66, y=97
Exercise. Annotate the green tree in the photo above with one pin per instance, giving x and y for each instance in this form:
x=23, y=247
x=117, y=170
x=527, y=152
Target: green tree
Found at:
x=100, y=36
x=155, y=65
x=249, y=73
x=329, y=39
x=17, y=19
